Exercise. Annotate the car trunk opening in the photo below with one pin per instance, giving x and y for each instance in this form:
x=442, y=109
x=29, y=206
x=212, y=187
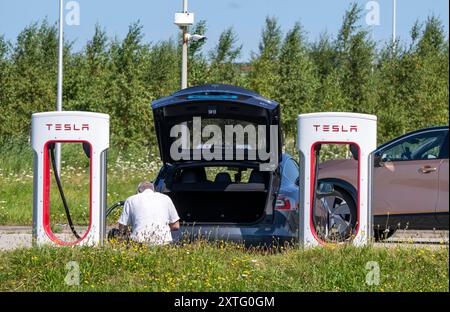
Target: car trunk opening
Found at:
x=215, y=125
x=240, y=197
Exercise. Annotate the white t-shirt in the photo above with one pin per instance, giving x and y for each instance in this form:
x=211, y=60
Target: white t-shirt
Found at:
x=149, y=215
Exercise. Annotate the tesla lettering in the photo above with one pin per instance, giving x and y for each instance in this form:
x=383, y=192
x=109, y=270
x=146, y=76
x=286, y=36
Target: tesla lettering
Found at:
x=335, y=128
x=67, y=127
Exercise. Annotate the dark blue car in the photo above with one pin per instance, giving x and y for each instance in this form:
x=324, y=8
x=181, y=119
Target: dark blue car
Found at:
x=227, y=187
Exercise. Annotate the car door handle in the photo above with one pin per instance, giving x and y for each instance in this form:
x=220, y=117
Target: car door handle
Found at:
x=427, y=169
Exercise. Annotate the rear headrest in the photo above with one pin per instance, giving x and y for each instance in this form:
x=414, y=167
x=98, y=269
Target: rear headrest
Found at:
x=201, y=174
x=223, y=177
x=256, y=177
x=193, y=175
x=189, y=176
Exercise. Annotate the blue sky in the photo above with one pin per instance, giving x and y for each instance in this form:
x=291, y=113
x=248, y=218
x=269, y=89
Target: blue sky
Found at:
x=246, y=16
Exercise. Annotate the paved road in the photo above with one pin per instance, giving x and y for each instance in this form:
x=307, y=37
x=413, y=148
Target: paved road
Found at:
x=13, y=237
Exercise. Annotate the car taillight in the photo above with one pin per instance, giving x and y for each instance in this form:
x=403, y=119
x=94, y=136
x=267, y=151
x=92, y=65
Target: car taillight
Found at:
x=282, y=203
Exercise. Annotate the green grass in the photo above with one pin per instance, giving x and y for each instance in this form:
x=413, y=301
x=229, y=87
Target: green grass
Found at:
x=224, y=267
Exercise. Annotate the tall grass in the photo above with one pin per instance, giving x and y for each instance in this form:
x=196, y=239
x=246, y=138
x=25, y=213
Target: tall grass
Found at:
x=226, y=267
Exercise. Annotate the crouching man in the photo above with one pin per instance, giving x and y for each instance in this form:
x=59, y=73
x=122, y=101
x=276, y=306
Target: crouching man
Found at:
x=151, y=216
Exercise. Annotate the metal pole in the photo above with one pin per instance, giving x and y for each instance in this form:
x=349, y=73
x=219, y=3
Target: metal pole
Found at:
x=373, y=40
x=184, y=53
x=394, y=21
x=60, y=77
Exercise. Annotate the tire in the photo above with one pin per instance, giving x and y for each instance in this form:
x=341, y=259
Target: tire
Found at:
x=335, y=216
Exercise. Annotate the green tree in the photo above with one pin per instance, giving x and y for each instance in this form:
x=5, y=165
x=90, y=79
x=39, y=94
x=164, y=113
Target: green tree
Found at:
x=424, y=88
x=330, y=95
x=393, y=114
x=298, y=80
x=405, y=86
x=87, y=76
x=5, y=88
x=129, y=97
x=33, y=76
x=223, y=68
x=264, y=77
x=355, y=61
x=324, y=55
x=198, y=65
x=163, y=75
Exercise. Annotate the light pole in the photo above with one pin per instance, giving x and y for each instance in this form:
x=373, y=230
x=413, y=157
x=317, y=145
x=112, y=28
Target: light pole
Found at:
x=184, y=57
x=184, y=20
x=394, y=21
x=60, y=77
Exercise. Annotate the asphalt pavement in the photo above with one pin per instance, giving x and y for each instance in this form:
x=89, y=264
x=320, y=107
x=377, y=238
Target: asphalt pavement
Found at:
x=13, y=237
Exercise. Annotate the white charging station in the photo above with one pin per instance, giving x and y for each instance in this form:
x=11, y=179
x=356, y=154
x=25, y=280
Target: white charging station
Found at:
x=90, y=129
x=358, y=130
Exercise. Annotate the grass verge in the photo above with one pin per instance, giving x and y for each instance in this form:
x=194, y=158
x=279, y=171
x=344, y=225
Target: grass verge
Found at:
x=221, y=266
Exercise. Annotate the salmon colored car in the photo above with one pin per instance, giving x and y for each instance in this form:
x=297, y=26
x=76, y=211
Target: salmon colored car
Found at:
x=410, y=184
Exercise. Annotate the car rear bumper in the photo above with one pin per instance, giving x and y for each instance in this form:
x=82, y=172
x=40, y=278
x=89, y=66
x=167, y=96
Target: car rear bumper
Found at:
x=259, y=235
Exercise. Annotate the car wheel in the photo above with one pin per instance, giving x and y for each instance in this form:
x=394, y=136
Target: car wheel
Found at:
x=335, y=216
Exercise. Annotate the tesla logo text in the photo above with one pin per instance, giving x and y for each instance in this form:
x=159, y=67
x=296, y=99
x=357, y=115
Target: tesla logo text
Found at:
x=67, y=127
x=335, y=128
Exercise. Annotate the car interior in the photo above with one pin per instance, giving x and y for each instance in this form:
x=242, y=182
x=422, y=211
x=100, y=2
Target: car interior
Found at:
x=221, y=196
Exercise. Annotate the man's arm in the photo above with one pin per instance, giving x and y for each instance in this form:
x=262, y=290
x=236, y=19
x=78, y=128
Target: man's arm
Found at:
x=174, y=219
x=124, y=220
x=175, y=226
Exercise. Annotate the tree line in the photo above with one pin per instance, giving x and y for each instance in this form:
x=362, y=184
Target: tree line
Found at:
x=405, y=85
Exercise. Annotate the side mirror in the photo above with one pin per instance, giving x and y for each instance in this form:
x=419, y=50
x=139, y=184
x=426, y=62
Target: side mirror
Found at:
x=355, y=151
x=325, y=188
x=378, y=161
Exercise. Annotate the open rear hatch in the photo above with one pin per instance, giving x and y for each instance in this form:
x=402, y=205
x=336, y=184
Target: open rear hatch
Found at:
x=217, y=123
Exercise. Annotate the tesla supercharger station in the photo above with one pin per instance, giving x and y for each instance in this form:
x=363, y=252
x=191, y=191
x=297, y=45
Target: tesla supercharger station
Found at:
x=356, y=130
x=90, y=129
